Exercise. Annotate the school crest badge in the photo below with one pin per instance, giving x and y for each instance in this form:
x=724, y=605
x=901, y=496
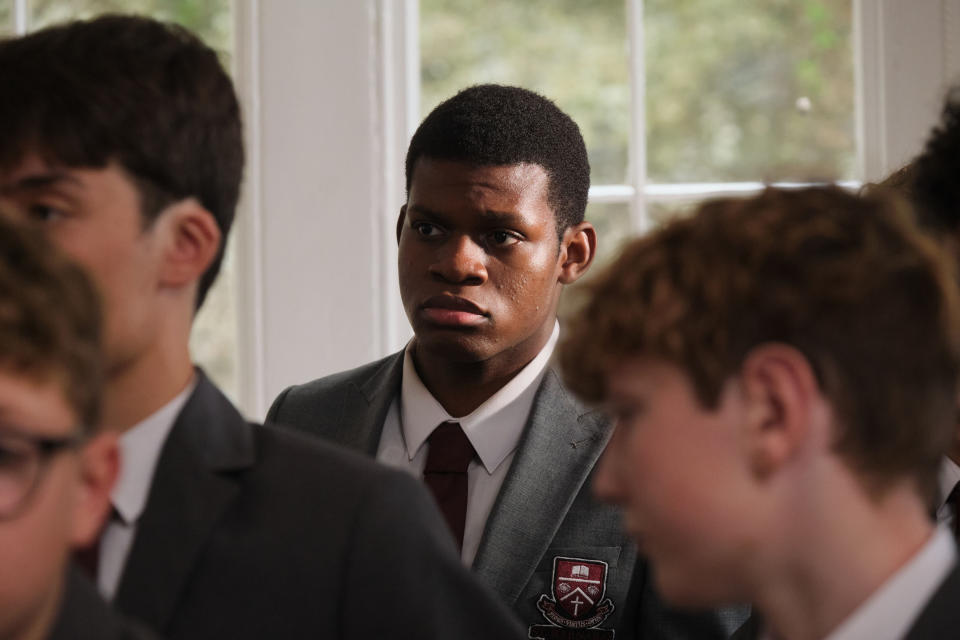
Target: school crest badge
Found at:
x=577, y=607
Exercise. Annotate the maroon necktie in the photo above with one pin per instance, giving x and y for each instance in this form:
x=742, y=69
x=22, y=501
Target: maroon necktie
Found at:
x=445, y=473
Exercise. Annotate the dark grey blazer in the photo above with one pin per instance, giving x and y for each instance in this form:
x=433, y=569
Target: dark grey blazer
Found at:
x=85, y=616
x=545, y=508
x=939, y=619
x=255, y=532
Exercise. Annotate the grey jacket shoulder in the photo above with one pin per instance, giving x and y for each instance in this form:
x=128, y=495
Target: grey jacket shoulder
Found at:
x=298, y=405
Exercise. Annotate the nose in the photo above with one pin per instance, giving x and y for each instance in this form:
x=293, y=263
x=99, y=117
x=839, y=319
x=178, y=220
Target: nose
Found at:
x=460, y=261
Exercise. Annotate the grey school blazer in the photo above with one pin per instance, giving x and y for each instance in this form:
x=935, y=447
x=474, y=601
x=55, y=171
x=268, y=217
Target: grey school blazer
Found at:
x=546, y=532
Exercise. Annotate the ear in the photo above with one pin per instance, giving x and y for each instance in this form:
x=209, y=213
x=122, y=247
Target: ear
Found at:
x=781, y=395
x=577, y=249
x=99, y=465
x=400, y=220
x=192, y=242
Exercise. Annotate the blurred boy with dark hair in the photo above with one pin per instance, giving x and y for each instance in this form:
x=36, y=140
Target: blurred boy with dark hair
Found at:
x=56, y=467
x=122, y=135
x=782, y=371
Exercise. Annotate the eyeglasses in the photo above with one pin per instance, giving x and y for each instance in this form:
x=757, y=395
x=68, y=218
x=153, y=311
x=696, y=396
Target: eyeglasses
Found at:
x=23, y=461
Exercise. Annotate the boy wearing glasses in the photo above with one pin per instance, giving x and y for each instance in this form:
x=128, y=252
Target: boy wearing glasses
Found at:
x=783, y=373
x=56, y=470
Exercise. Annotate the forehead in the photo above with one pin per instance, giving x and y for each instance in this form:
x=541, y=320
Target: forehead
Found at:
x=24, y=166
x=519, y=186
x=33, y=171
x=643, y=377
x=109, y=184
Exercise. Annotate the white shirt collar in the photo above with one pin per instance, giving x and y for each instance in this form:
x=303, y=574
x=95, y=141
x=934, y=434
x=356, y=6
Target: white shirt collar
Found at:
x=494, y=428
x=949, y=476
x=140, y=450
x=890, y=611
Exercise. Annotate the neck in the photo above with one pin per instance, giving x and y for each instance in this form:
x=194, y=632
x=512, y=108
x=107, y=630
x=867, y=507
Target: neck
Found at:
x=40, y=623
x=461, y=387
x=139, y=387
x=837, y=561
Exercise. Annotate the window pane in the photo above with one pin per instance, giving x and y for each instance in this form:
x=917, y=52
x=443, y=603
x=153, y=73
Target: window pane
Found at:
x=6, y=18
x=749, y=90
x=660, y=213
x=571, y=51
x=214, y=339
x=209, y=19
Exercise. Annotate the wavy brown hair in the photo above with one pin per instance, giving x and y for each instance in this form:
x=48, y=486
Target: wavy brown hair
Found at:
x=847, y=280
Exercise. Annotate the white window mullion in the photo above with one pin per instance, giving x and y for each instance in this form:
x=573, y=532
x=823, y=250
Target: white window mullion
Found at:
x=21, y=13
x=249, y=226
x=397, y=82
x=638, y=117
x=612, y=193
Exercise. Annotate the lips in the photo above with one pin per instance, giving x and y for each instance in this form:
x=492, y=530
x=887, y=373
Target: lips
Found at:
x=453, y=311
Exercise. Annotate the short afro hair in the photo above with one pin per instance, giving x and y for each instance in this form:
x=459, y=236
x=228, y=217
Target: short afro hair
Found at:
x=935, y=188
x=495, y=125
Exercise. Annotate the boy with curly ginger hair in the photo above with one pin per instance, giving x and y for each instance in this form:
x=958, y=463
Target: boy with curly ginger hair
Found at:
x=782, y=371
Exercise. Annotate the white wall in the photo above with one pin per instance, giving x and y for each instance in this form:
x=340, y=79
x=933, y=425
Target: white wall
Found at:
x=906, y=58
x=317, y=252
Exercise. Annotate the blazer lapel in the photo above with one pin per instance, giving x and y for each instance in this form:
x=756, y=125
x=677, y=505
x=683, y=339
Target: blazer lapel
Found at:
x=188, y=495
x=365, y=406
x=560, y=444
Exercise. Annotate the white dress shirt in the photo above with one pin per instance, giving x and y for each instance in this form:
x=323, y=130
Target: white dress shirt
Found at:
x=891, y=610
x=139, y=452
x=948, y=478
x=494, y=429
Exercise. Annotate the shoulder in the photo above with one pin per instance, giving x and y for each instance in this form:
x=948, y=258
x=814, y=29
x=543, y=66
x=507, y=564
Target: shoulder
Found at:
x=312, y=396
x=294, y=467
x=84, y=615
x=553, y=396
x=283, y=447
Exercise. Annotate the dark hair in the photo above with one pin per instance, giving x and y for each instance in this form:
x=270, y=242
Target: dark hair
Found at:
x=494, y=125
x=147, y=95
x=49, y=319
x=935, y=184
x=848, y=281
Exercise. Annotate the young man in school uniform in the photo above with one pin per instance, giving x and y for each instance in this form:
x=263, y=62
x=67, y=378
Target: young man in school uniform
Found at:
x=492, y=231
x=122, y=138
x=56, y=467
x=782, y=371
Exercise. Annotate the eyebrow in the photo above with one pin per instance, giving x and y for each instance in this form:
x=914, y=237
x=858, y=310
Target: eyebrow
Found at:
x=502, y=218
x=41, y=181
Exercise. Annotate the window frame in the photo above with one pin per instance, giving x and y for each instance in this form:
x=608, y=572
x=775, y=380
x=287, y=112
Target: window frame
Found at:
x=328, y=111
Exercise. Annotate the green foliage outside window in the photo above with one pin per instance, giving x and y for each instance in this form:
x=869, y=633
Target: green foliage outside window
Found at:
x=736, y=90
